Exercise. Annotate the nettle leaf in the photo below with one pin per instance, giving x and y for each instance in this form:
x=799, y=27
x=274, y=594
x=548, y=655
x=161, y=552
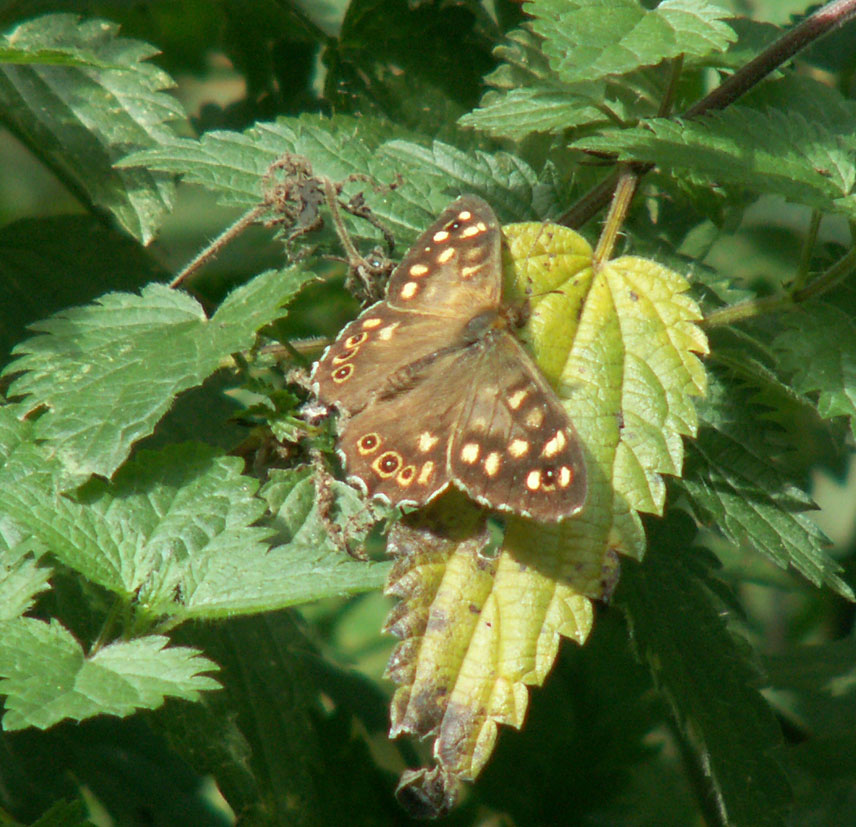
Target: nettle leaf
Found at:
x=528, y=96
x=147, y=533
x=107, y=372
x=620, y=345
x=83, y=99
x=176, y=531
x=678, y=629
x=772, y=152
x=520, y=112
x=233, y=164
x=21, y=576
x=820, y=668
x=584, y=43
x=47, y=677
x=808, y=97
x=286, y=738
x=421, y=89
x=475, y=632
x=735, y=483
x=506, y=181
x=818, y=346
x=64, y=814
x=165, y=520
x=523, y=61
x=302, y=565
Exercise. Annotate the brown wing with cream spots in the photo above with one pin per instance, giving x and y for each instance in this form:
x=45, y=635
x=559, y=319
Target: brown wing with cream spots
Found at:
x=514, y=447
x=451, y=273
x=455, y=267
x=396, y=447
x=373, y=356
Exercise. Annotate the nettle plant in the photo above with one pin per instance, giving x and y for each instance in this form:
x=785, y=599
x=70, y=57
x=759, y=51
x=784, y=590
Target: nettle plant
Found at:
x=190, y=589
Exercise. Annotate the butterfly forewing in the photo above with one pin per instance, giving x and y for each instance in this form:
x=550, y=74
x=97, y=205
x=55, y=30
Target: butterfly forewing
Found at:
x=377, y=355
x=435, y=389
x=455, y=266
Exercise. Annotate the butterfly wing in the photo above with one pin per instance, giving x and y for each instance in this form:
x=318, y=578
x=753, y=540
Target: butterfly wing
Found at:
x=452, y=272
x=379, y=354
x=514, y=447
x=455, y=267
x=396, y=447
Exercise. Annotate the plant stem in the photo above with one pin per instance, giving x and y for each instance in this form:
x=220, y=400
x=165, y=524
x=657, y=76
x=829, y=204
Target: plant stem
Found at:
x=214, y=248
x=624, y=192
x=822, y=22
x=628, y=182
x=786, y=301
x=805, y=254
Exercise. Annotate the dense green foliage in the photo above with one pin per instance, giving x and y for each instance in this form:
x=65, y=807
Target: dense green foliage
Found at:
x=181, y=639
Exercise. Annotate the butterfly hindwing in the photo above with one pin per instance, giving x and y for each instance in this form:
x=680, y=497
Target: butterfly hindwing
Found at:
x=514, y=448
x=398, y=455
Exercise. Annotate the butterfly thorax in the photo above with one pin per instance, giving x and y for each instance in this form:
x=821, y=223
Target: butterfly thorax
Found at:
x=481, y=325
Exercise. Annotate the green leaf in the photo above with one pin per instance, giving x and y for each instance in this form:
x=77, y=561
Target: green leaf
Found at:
x=770, y=152
x=79, y=116
x=233, y=164
x=809, y=98
x=47, y=676
x=175, y=530
x=420, y=91
x=277, y=754
x=828, y=668
x=818, y=347
x=532, y=109
x=149, y=533
x=678, y=629
x=735, y=483
x=304, y=564
x=523, y=62
x=13, y=56
x=824, y=779
x=584, y=41
x=529, y=97
x=21, y=576
x=109, y=371
x=64, y=814
x=814, y=687
x=505, y=180
x=116, y=765
x=158, y=529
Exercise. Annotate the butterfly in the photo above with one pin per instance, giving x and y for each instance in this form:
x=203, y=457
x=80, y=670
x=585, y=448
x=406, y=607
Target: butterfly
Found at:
x=435, y=389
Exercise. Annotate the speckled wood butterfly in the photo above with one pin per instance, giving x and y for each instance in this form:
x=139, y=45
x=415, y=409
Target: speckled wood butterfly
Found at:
x=435, y=388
